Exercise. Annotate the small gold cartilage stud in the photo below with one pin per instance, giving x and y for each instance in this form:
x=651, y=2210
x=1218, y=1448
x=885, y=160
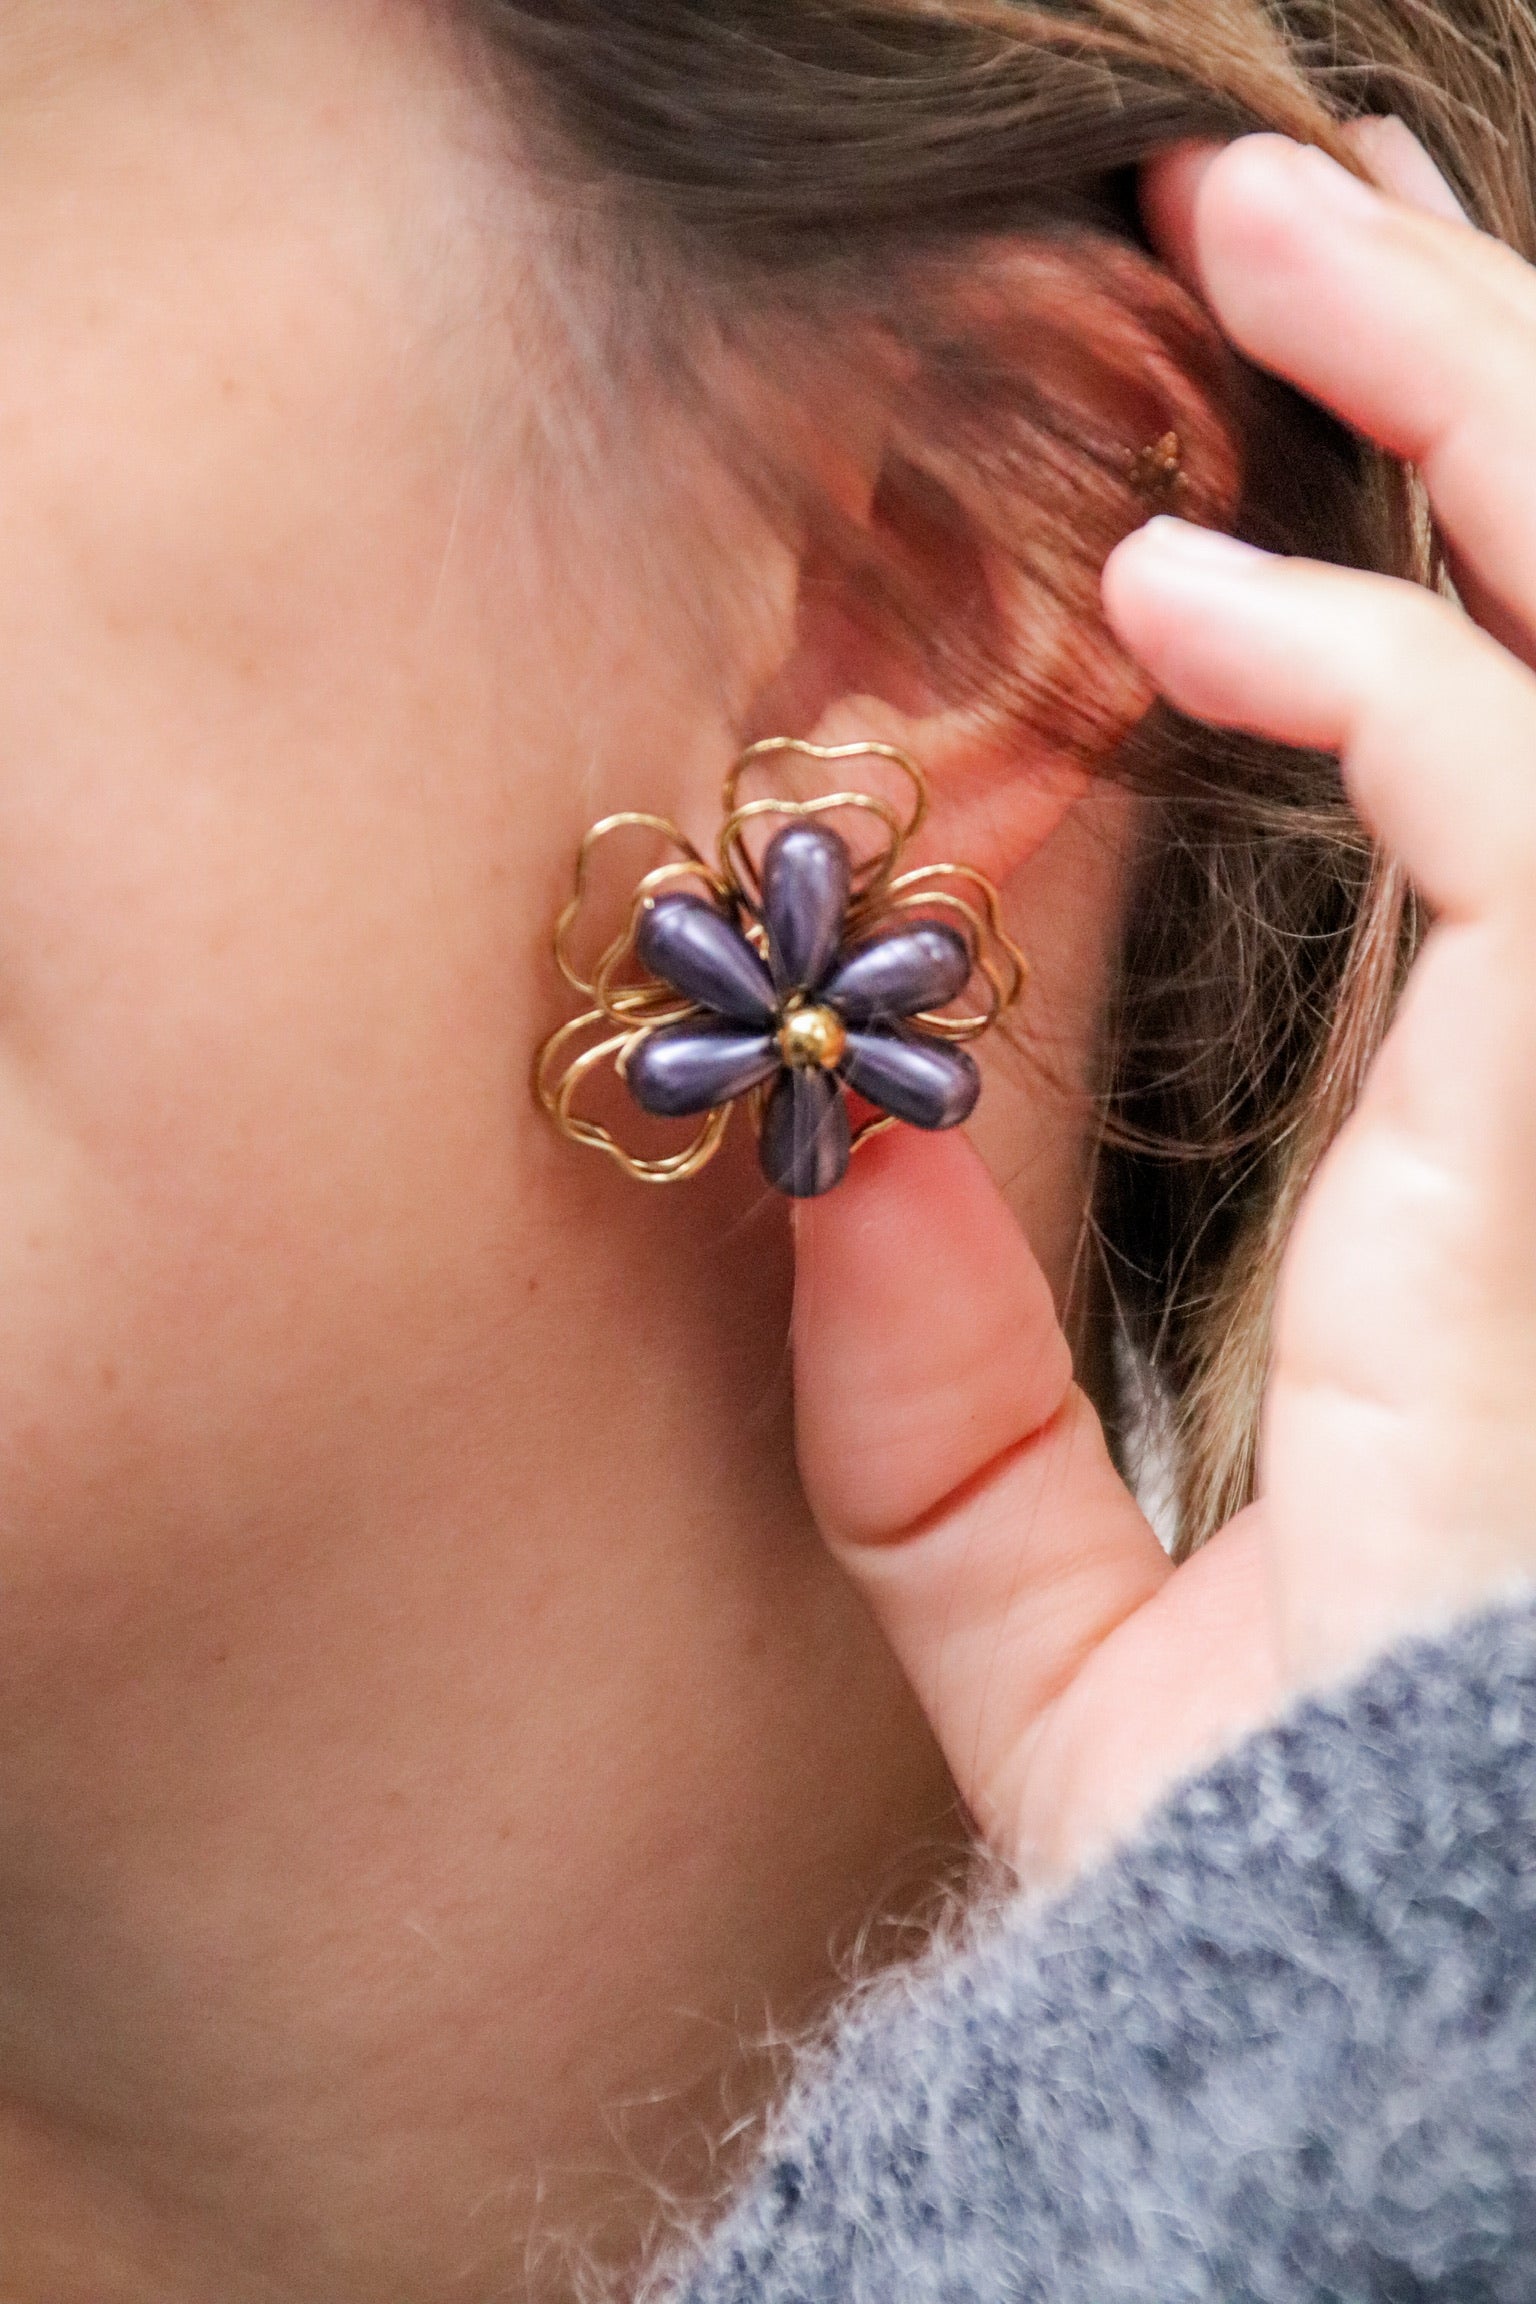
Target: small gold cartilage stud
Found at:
x=1157, y=472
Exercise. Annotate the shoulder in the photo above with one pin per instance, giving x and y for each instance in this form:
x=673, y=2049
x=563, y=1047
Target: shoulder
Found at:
x=1282, y=2047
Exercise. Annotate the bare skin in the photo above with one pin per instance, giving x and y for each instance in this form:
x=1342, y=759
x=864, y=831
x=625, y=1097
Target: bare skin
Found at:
x=431, y=1731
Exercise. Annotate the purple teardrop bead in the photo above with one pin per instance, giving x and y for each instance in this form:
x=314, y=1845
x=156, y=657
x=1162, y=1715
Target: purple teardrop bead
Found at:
x=925, y=1082
x=696, y=950
x=806, y=879
x=900, y=974
x=806, y=1139
x=688, y=1068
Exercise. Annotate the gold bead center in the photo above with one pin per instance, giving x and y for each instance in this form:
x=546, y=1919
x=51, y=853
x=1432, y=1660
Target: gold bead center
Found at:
x=813, y=1039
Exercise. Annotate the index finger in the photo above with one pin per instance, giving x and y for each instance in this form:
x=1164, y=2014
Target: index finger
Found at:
x=1416, y=331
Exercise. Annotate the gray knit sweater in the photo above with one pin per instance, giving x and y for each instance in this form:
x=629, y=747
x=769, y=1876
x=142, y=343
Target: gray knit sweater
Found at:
x=1282, y=2048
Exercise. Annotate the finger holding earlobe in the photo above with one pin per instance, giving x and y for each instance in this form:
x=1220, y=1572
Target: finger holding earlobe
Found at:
x=958, y=1473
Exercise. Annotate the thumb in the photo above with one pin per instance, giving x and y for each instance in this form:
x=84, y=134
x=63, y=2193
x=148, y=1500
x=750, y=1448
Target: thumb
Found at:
x=955, y=1469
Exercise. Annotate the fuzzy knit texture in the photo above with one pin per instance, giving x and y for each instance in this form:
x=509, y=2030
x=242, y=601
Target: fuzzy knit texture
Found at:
x=1282, y=2050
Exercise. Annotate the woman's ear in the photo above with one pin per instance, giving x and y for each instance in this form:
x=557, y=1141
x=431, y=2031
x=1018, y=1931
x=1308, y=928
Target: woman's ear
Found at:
x=1042, y=406
x=997, y=794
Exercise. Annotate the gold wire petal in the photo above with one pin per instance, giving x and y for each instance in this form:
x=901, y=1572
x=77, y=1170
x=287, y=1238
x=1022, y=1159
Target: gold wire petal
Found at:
x=547, y=1076
x=872, y=873
x=557, y=1089
x=692, y=866
x=910, y=882
x=649, y=1001
x=871, y=876
x=781, y=747
x=945, y=1024
x=998, y=958
x=880, y=1125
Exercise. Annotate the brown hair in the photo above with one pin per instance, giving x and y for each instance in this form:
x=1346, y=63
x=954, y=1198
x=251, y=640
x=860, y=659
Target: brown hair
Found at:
x=904, y=168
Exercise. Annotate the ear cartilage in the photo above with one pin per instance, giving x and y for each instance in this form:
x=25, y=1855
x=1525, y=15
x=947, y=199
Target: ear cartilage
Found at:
x=788, y=984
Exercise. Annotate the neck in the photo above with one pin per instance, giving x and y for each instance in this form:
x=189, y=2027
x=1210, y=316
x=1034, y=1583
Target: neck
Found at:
x=387, y=1884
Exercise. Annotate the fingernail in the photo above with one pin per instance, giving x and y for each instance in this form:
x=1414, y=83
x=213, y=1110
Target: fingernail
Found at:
x=1331, y=187
x=1401, y=165
x=1180, y=543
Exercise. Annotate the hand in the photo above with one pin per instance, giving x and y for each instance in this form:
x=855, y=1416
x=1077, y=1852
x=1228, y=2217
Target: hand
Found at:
x=1070, y=1672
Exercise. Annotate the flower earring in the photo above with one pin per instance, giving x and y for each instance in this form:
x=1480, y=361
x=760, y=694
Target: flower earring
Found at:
x=800, y=973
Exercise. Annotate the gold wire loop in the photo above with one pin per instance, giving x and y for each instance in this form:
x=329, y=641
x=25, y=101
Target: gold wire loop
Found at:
x=628, y=1009
x=627, y=820
x=557, y=1093
x=870, y=876
x=797, y=747
x=999, y=962
x=872, y=873
x=648, y=1000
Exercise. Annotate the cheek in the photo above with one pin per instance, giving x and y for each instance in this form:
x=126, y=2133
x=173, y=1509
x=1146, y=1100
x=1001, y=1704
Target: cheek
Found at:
x=297, y=740
x=258, y=1117
x=260, y=956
